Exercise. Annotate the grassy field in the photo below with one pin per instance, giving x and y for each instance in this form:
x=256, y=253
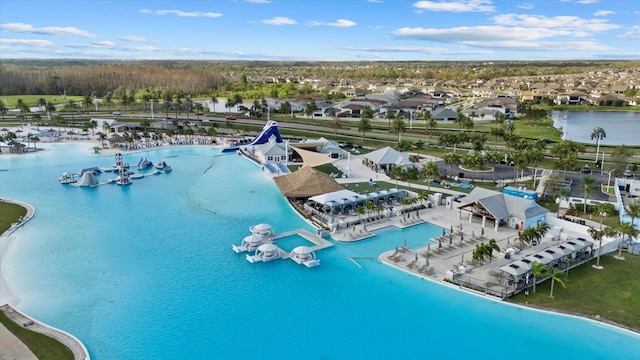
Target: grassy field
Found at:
x=42, y=346
x=611, y=293
x=32, y=100
x=10, y=213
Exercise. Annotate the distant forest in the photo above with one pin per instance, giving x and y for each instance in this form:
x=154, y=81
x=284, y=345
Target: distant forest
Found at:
x=99, y=77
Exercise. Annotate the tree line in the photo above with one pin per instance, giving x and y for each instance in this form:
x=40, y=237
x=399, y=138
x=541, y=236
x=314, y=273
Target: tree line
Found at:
x=81, y=77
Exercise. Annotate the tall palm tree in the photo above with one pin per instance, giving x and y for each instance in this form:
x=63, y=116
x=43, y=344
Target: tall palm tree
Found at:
x=399, y=125
x=628, y=229
x=597, y=235
x=364, y=126
x=598, y=134
x=419, y=144
x=538, y=270
x=451, y=159
x=390, y=115
x=555, y=276
x=336, y=124
x=3, y=109
x=214, y=101
x=587, y=188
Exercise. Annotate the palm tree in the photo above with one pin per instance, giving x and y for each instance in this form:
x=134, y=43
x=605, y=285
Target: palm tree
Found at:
x=538, y=270
x=629, y=230
x=419, y=144
x=473, y=160
x=597, y=235
x=360, y=212
x=310, y=108
x=3, y=109
x=214, y=101
x=633, y=211
x=451, y=159
x=336, y=124
x=390, y=115
x=364, y=126
x=491, y=246
x=555, y=276
x=598, y=134
x=431, y=125
x=587, y=188
x=102, y=137
x=399, y=125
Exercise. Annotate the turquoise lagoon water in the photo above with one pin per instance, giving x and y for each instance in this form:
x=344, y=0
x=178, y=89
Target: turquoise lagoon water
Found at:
x=147, y=272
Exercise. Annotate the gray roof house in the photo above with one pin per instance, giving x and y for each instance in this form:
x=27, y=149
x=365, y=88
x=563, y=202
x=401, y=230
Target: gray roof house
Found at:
x=502, y=209
x=388, y=157
x=444, y=114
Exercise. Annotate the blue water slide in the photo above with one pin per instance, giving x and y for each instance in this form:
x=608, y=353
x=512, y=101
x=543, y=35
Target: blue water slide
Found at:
x=283, y=168
x=270, y=129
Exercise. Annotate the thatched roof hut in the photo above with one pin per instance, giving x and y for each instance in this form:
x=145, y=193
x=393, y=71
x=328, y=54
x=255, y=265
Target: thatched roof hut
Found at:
x=306, y=182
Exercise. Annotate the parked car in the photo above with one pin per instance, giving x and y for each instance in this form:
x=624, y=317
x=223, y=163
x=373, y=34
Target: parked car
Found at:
x=545, y=140
x=627, y=173
x=586, y=169
x=230, y=117
x=116, y=113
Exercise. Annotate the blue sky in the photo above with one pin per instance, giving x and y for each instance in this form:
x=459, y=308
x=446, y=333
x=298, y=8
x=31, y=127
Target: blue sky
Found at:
x=321, y=30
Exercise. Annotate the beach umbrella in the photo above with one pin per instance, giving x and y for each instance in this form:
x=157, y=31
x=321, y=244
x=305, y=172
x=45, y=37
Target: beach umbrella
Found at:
x=473, y=234
x=443, y=232
x=460, y=226
x=461, y=237
x=439, y=243
x=416, y=257
x=428, y=248
x=451, y=228
x=5, y=129
x=482, y=233
x=396, y=249
x=507, y=241
x=450, y=239
x=462, y=260
x=426, y=261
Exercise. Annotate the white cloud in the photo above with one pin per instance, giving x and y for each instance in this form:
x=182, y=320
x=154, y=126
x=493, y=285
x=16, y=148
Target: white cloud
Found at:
x=456, y=6
x=478, y=33
x=279, y=20
x=104, y=43
x=494, y=37
x=132, y=38
x=181, y=13
x=418, y=49
x=144, y=48
x=258, y=1
x=526, y=6
x=47, y=30
x=634, y=33
x=603, y=13
x=375, y=1
x=337, y=23
x=575, y=23
x=28, y=42
x=587, y=1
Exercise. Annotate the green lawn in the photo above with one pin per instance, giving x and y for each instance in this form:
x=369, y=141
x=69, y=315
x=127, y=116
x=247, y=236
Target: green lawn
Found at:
x=42, y=346
x=32, y=100
x=611, y=293
x=10, y=213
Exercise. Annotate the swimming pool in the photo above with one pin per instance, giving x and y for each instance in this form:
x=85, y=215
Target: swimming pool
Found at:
x=147, y=272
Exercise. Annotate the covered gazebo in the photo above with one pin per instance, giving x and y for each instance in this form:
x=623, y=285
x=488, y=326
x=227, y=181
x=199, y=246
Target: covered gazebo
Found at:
x=306, y=182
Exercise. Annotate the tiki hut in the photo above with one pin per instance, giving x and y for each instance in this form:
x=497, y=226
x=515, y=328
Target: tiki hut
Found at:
x=306, y=182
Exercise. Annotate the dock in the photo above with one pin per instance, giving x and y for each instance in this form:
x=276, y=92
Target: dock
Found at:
x=319, y=242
